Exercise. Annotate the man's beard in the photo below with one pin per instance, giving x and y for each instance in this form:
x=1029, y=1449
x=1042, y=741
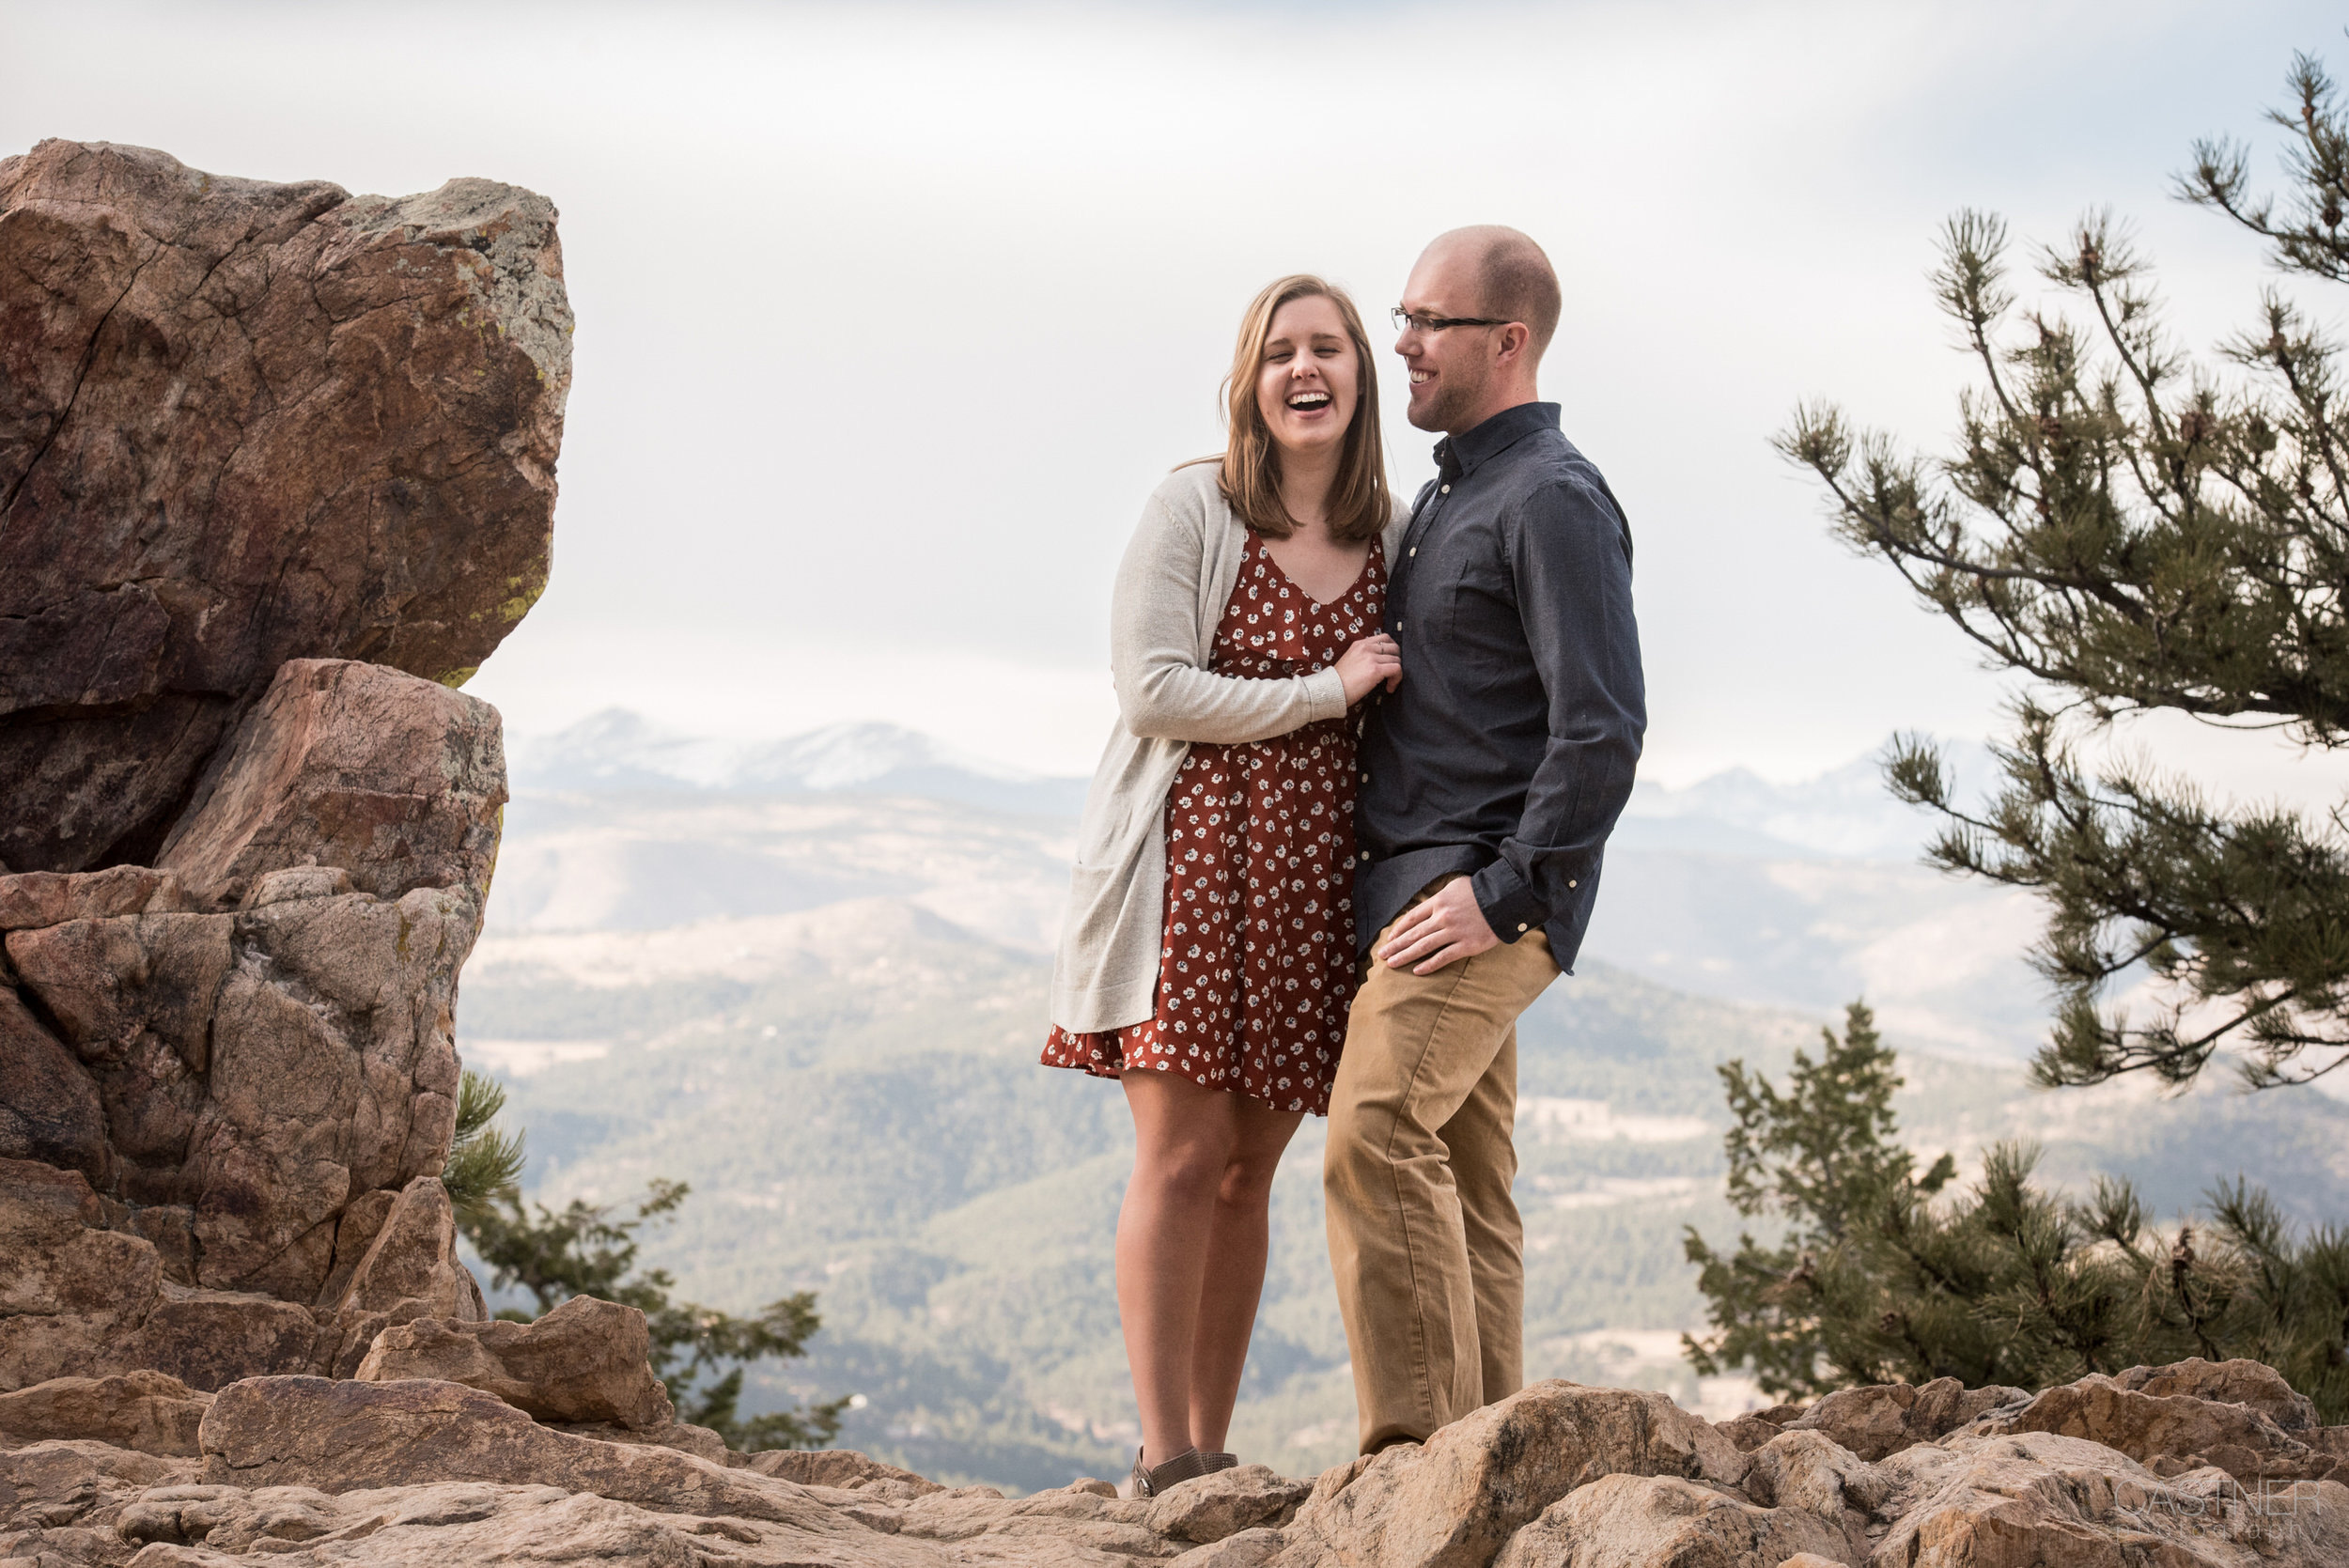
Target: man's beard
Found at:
x=1442, y=412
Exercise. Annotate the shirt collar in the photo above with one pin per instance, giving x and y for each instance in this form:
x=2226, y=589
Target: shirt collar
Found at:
x=1464, y=454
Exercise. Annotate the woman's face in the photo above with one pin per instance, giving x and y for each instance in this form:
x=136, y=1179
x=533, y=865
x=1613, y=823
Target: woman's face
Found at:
x=1307, y=385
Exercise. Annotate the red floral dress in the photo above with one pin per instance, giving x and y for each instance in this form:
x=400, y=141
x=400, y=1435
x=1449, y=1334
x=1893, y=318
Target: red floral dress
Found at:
x=1258, y=966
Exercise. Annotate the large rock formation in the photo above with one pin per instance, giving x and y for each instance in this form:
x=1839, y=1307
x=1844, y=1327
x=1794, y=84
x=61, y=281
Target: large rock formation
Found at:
x=587, y=1361
x=250, y=436
x=240, y=423
x=304, y=1472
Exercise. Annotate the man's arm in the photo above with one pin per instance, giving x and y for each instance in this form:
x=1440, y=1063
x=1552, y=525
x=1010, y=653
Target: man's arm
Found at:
x=1571, y=555
x=1571, y=558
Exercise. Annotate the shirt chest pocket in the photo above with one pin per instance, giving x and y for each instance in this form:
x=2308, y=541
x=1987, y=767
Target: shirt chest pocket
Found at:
x=1459, y=600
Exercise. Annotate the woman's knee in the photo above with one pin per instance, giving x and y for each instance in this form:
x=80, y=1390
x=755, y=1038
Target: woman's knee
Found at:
x=1195, y=1167
x=1247, y=1183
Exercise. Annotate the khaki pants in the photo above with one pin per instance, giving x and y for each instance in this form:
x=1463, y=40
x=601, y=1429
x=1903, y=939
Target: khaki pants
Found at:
x=1423, y=1235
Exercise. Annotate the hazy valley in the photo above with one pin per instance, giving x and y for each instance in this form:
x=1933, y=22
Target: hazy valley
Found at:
x=809, y=980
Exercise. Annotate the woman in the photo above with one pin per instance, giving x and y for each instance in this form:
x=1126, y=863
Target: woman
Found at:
x=1207, y=955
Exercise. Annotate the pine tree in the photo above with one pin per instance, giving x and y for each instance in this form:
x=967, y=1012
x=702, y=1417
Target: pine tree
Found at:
x=590, y=1250
x=2133, y=532
x=1883, y=1275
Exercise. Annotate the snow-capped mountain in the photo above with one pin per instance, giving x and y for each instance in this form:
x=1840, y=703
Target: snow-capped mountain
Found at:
x=1845, y=812
x=619, y=752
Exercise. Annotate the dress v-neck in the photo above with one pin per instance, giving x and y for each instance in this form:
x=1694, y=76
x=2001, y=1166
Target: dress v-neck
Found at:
x=1343, y=594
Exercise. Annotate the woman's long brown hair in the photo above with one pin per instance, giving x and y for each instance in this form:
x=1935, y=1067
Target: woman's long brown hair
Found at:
x=1360, y=506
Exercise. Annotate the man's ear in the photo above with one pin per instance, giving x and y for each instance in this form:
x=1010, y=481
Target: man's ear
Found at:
x=1514, y=337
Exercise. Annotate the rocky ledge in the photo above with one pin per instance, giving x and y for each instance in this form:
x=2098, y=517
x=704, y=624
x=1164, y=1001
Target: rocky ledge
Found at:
x=548, y=1443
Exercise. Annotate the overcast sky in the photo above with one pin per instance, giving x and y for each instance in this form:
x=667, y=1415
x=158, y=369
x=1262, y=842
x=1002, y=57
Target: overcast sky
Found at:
x=890, y=316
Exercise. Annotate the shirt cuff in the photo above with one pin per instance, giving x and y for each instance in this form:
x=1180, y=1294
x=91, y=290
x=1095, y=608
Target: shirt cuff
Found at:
x=1324, y=690
x=1508, y=906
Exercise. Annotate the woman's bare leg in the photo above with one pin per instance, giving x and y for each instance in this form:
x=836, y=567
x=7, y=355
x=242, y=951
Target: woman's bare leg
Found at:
x=1184, y=1140
x=1234, y=1275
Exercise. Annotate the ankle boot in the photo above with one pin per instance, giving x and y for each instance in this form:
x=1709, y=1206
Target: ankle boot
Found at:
x=1151, y=1480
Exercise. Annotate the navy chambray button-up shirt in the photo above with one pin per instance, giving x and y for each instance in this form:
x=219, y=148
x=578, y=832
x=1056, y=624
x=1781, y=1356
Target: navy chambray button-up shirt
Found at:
x=1509, y=749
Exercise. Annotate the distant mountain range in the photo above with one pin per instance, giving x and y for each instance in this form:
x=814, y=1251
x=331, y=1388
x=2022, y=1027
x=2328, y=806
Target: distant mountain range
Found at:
x=619, y=752
x=1845, y=812
x=1801, y=895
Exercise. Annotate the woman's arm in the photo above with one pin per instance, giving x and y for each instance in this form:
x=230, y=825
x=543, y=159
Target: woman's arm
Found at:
x=1154, y=631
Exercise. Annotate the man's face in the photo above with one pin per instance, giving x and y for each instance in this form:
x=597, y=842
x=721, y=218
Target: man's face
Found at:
x=1452, y=370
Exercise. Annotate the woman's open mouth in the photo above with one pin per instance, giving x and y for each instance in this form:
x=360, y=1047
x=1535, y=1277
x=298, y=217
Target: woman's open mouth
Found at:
x=1309, y=402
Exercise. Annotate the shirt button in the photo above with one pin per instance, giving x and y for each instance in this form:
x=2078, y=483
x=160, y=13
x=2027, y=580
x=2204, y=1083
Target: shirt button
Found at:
x=1365, y=778
x=1364, y=857
x=1399, y=624
x=1573, y=884
x=1521, y=926
x=1446, y=491
x=1414, y=549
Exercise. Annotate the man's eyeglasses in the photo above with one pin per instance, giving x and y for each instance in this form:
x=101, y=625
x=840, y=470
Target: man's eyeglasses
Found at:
x=1411, y=321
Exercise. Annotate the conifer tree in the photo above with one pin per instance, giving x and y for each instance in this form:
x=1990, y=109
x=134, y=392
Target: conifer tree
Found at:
x=590, y=1250
x=2133, y=532
x=1881, y=1274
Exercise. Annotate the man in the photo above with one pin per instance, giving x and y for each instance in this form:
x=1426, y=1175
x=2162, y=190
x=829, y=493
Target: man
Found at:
x=1490, y=780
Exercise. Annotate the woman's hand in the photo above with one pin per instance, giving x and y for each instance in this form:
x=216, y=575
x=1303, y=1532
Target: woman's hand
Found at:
x=1376, y=660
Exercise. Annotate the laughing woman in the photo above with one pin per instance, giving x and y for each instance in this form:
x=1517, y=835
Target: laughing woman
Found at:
x=1207, y=959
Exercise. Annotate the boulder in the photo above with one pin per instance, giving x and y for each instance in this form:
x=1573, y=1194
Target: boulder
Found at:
x=2189, y=1431
x=1247, y=1496
x=263, y=1070
x=144, y=1411
x=1747, y=1432
x=405, y=1270
x=684, y=1436
x=2039, y=1497
x=841, y=1467
x=209, y=1338
x=1249, y=1548
x=1069, y=1525
x=584, y=1361
x=64, y=1497
x=1807, y=1470
x=1882, y=1418
x=1455, y=1502
x=395, y=781
x=2238, y=1382
x=71, y=1290
x=1629, y=1521
x=244, y=423
x=34, y=898
x=344, y=1435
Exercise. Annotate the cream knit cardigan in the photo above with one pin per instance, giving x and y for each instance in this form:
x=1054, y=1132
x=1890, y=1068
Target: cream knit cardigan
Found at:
x=1173, y=587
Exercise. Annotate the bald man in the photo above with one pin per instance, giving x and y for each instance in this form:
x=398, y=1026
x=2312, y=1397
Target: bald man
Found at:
x=1491, y=778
